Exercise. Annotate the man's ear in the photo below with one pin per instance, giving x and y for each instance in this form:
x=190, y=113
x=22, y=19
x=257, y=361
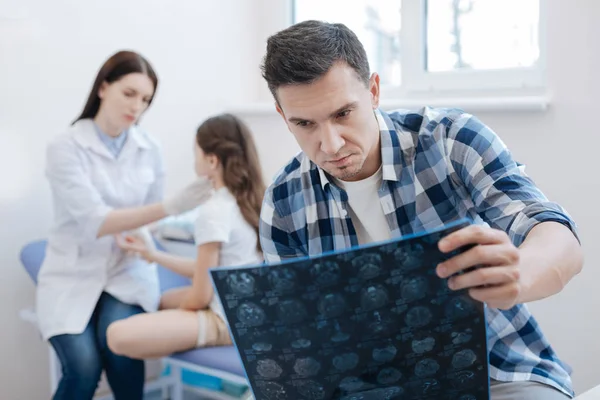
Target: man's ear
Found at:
x=280, y=112
x=374, y=89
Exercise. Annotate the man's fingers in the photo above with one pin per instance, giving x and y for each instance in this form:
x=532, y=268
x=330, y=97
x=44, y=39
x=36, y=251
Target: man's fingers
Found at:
x=489, y=276
x=473, y=234
x=484, y=255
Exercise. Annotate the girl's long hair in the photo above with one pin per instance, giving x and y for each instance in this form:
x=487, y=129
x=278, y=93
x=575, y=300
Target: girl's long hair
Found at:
x=230, y=140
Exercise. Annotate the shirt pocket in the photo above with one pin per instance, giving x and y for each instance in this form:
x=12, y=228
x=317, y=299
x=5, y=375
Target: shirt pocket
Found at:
x=101, y=181
x=144, y=175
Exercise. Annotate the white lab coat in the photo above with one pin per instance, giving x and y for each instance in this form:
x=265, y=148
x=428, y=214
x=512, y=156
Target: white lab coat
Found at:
x=87, y=182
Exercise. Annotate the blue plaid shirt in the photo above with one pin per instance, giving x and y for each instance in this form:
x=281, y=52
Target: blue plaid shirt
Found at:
x=439, y=165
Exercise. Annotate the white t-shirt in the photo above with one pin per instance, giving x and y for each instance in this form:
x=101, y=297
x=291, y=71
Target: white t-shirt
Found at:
x=220, y=220
x=365, y=209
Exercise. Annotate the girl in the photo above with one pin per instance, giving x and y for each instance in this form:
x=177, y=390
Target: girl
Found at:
x=226, y=234
x=106, y=176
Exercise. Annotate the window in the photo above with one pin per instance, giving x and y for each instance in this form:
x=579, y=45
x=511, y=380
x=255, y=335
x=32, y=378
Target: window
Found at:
x=481, y=35
x=377, y=24
x=451, y=46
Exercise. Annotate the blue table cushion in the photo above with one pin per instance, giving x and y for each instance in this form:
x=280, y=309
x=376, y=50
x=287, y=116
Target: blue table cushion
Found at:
x=222, y=358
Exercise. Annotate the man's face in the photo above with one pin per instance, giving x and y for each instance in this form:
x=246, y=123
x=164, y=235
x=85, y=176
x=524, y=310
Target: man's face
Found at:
x=333, y=121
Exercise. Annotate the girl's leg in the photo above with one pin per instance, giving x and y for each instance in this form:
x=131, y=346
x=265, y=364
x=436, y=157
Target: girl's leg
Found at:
x=154, y=335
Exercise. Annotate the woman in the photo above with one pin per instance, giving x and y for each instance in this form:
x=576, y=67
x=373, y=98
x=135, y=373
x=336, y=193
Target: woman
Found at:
x=106, y=176
x=226, y=235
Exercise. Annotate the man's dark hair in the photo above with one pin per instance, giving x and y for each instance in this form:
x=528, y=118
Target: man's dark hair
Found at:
x=304, y=52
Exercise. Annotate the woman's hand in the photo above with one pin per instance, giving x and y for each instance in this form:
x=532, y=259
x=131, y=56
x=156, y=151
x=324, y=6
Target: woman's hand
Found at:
x=135, y=244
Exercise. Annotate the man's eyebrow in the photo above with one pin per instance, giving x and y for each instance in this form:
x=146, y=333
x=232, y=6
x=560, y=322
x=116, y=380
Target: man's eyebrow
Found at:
x=298, y=119
x=352, y=104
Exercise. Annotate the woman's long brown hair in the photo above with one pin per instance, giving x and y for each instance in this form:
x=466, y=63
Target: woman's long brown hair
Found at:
x=230, y=140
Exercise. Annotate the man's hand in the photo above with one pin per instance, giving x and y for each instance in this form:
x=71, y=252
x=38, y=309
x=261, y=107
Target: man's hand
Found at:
x=496, y=281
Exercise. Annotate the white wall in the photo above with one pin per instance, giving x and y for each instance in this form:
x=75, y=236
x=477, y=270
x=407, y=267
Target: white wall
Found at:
x=49, y=55
x=207, y=55
x=560, y=148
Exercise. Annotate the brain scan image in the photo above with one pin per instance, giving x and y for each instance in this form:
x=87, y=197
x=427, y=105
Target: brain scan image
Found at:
x=459, y=307
x=384, y=354
x=414, y=288
x=426, y=367
x=251, y=314
x=326, y=273
x=339, y=335
x=388, y=376
x=373, y=297
x=353, y=384
x=268, y=369
x=463, y=359
x=301, y=343
x=307, y=366
x=242, y=284
x=387, y=393
x=366, y=323
x=332, y=305
x=463, y=380
x=291, y=311
x=426, y=387
x=282, y=280
x=346, y=361
x=262, y=346
x=418, y=317
x=272, y=390
x=421, y=346
x=297, y=338
x=368, y=265
x=459, y=338
x=310, y=389
x=409, y=258
x=380, y=325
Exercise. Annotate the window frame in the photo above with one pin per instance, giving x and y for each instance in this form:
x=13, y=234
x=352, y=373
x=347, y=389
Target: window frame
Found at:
x=416, y=77
x=416, y=80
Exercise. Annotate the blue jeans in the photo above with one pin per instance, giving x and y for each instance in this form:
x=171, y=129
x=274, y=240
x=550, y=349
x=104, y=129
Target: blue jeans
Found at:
x=85, y=355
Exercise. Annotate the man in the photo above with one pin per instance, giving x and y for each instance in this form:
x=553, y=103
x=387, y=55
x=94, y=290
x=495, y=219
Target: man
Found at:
x=365, y=175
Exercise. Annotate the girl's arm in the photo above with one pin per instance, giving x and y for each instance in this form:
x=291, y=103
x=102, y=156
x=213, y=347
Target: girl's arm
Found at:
x=201, y=293
x=180, y=265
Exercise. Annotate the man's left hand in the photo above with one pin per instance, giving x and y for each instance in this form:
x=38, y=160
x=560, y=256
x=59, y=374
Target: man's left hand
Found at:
x=496, y=281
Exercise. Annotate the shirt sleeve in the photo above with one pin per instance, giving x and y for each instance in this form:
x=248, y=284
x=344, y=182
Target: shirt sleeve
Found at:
x=503, y=195
x=73, y=190
x=276, y=239
x=213, y=223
